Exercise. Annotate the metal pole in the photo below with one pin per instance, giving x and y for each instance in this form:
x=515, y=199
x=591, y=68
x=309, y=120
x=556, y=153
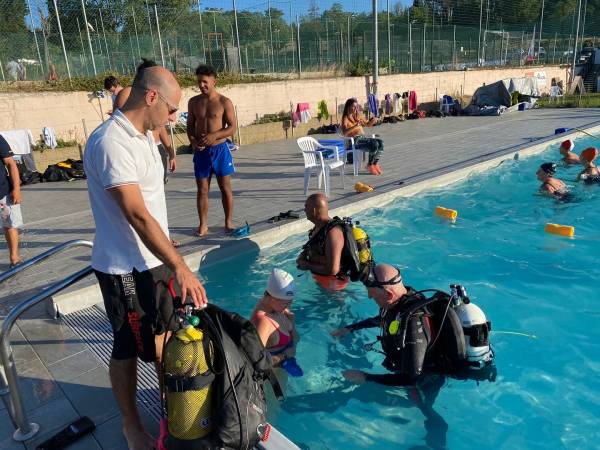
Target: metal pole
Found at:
x=389, y=36
x=137, y=38
x=105, y=42
x=298, y=45
x=162, y=55
x=522, y=40
x=62, y=40
x=132, y=50
x=150, y=27
x=410, y=42
x=201, y=32
x=554, y=51
x=82, y=46
x=271, y=36
x=576, y=43
x=541, y=24
x=2, y=72
x=454, y=48
x=35, y=36
x=583, y=25
x=375, y=50
x=237, y=38
x=479, y=42
x=348, y=42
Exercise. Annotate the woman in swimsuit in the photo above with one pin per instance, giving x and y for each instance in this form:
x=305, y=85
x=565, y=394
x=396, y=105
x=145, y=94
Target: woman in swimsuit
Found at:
x=273, y=319
x=352, y=126
x=590, y=174
x=550, y=185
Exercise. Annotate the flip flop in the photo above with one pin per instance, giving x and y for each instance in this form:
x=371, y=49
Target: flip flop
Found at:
x=175, y=244
x=274, y=219
x=289, y=215
x=13, y=265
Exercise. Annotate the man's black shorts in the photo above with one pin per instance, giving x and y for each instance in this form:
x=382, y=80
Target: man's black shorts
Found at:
x=139, y=306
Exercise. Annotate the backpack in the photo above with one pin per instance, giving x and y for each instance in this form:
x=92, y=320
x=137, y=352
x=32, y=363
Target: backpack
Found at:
x=55, y=173
x=240, y=413
x=28, y=176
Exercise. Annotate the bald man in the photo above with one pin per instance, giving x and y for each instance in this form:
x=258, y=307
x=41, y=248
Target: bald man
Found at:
x=322, y=254
x=385, y=286
x=132, y=257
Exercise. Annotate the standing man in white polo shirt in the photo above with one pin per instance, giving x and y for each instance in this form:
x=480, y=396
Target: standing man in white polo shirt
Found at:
x=133, y=258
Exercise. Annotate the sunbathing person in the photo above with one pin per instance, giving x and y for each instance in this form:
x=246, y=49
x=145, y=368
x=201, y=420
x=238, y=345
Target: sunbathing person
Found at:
x=353, y=122
x=590, y=173
x=566, y=150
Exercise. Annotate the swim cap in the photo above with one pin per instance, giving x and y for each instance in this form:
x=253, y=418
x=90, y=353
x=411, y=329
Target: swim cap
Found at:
x=281, y=285
x=568, y=145
x=548, y=168
x=589, y=154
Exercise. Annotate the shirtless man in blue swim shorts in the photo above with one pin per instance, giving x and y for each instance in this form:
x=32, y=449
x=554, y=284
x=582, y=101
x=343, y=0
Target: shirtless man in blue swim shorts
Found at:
x=211, y=120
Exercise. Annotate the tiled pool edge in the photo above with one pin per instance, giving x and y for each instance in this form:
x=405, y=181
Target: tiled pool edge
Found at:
x=269, y=235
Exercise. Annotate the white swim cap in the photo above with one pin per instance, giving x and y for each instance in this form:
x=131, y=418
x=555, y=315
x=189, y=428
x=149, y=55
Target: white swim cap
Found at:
x=281, y=285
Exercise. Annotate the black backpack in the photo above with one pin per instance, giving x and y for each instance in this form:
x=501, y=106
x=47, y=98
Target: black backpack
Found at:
x=240, y=414
x=55, y=173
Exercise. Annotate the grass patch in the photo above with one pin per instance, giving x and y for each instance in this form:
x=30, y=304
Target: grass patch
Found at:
x=91, y=84
x=571, y=101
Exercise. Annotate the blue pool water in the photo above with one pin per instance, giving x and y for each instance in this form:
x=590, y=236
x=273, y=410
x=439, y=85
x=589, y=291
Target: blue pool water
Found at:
x=547, y=390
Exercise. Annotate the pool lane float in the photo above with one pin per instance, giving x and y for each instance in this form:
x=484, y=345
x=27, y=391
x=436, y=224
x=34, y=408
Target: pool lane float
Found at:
x=362, y=187
x=450, y=214
x=560, y=230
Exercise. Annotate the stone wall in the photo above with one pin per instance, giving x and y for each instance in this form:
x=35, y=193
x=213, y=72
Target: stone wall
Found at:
x=70, y=112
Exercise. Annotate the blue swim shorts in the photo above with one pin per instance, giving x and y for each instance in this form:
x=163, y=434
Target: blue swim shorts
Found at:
x=216, y=159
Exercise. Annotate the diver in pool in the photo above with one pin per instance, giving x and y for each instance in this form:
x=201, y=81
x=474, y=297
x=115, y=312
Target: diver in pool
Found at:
x=275, y=323
x=550, y=185
x=590, y=173
x=566, y=150
x=438, y=334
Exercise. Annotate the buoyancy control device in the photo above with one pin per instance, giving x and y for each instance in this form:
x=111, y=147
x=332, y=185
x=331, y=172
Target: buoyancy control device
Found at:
x=214, y=369
x=444, y=333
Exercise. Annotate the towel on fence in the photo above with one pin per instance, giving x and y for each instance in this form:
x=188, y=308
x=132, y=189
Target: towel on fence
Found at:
x=303, y=108
x=412, y=100
x=49, y=137
x=388, y=104
x=323, y=113
x=20, y=141
x=373, y=105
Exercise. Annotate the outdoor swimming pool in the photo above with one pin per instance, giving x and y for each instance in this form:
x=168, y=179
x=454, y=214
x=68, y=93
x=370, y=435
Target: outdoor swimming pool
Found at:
x=540, y=292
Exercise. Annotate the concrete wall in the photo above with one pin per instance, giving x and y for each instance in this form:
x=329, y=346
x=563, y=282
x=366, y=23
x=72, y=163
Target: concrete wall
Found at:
x=65, y=111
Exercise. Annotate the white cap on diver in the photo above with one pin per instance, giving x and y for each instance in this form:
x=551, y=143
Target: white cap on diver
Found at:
x=281, y=285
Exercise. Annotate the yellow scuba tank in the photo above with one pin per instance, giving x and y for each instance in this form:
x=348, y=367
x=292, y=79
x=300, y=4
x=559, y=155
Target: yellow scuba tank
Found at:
x=363, y=244
x=187, y=381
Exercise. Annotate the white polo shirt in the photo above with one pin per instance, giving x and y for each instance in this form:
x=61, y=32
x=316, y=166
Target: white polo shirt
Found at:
x=117, y=154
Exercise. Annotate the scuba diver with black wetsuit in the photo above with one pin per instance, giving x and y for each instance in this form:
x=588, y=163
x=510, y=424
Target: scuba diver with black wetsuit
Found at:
x=443, y=333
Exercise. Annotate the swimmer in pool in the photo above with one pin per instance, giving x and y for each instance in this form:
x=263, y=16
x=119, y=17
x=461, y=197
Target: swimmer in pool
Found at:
x=566, y=150
x=273, y=319
x=550, y=185
x=590, y=173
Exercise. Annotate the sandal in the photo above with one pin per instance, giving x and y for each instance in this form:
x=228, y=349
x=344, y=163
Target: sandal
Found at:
x=13, y=265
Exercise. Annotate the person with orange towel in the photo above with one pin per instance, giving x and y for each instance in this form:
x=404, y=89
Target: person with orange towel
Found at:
x=353, y=122
x=566, y=150
x=590, y=173
x=322, y=254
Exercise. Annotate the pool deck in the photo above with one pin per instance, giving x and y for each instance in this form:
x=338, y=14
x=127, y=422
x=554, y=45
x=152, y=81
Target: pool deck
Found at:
x=62, y=379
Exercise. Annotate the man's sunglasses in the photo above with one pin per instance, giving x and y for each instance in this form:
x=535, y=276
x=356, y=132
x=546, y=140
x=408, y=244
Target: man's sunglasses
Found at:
x=371, y=280
x=172, y=109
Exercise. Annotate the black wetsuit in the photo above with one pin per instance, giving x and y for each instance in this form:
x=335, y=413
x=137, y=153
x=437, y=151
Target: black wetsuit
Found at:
x=406, y=354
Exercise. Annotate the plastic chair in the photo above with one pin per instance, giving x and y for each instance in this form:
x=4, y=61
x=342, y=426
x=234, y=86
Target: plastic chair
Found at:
x=358, y=155
x=312, y=152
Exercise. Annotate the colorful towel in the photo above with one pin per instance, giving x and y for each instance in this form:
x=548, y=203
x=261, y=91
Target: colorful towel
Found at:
x=373, y=105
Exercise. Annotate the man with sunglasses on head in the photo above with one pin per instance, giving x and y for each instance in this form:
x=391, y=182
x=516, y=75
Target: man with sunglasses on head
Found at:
x=133, y=258
x=406, y=354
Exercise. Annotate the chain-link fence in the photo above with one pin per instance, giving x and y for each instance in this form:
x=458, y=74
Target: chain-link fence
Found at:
x=49, y=39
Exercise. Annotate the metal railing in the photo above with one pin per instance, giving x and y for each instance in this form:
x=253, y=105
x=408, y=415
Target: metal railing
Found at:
x=9, y=379
x=36, y=259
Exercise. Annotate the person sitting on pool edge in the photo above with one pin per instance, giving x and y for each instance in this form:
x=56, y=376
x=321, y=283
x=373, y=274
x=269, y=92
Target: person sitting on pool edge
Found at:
x=322, y=254
x=590, y=173
x=275, y=322
x=419, y=335
x=566, y=150
x=550, y=185
x=353, y=122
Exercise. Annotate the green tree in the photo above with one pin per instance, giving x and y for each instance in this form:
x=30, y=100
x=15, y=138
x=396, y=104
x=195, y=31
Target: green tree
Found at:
x=12, y=16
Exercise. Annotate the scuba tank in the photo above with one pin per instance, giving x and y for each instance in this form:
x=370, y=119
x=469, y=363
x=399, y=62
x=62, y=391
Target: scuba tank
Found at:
x=187, y=360
x=363, y=244
x=476, y=329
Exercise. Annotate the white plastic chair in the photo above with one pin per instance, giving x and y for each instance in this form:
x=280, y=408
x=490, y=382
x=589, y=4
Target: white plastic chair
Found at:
x=312, y=152
x=358, y=154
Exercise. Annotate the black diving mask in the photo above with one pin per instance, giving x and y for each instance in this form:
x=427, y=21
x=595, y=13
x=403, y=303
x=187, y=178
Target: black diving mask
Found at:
x=371, y=281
